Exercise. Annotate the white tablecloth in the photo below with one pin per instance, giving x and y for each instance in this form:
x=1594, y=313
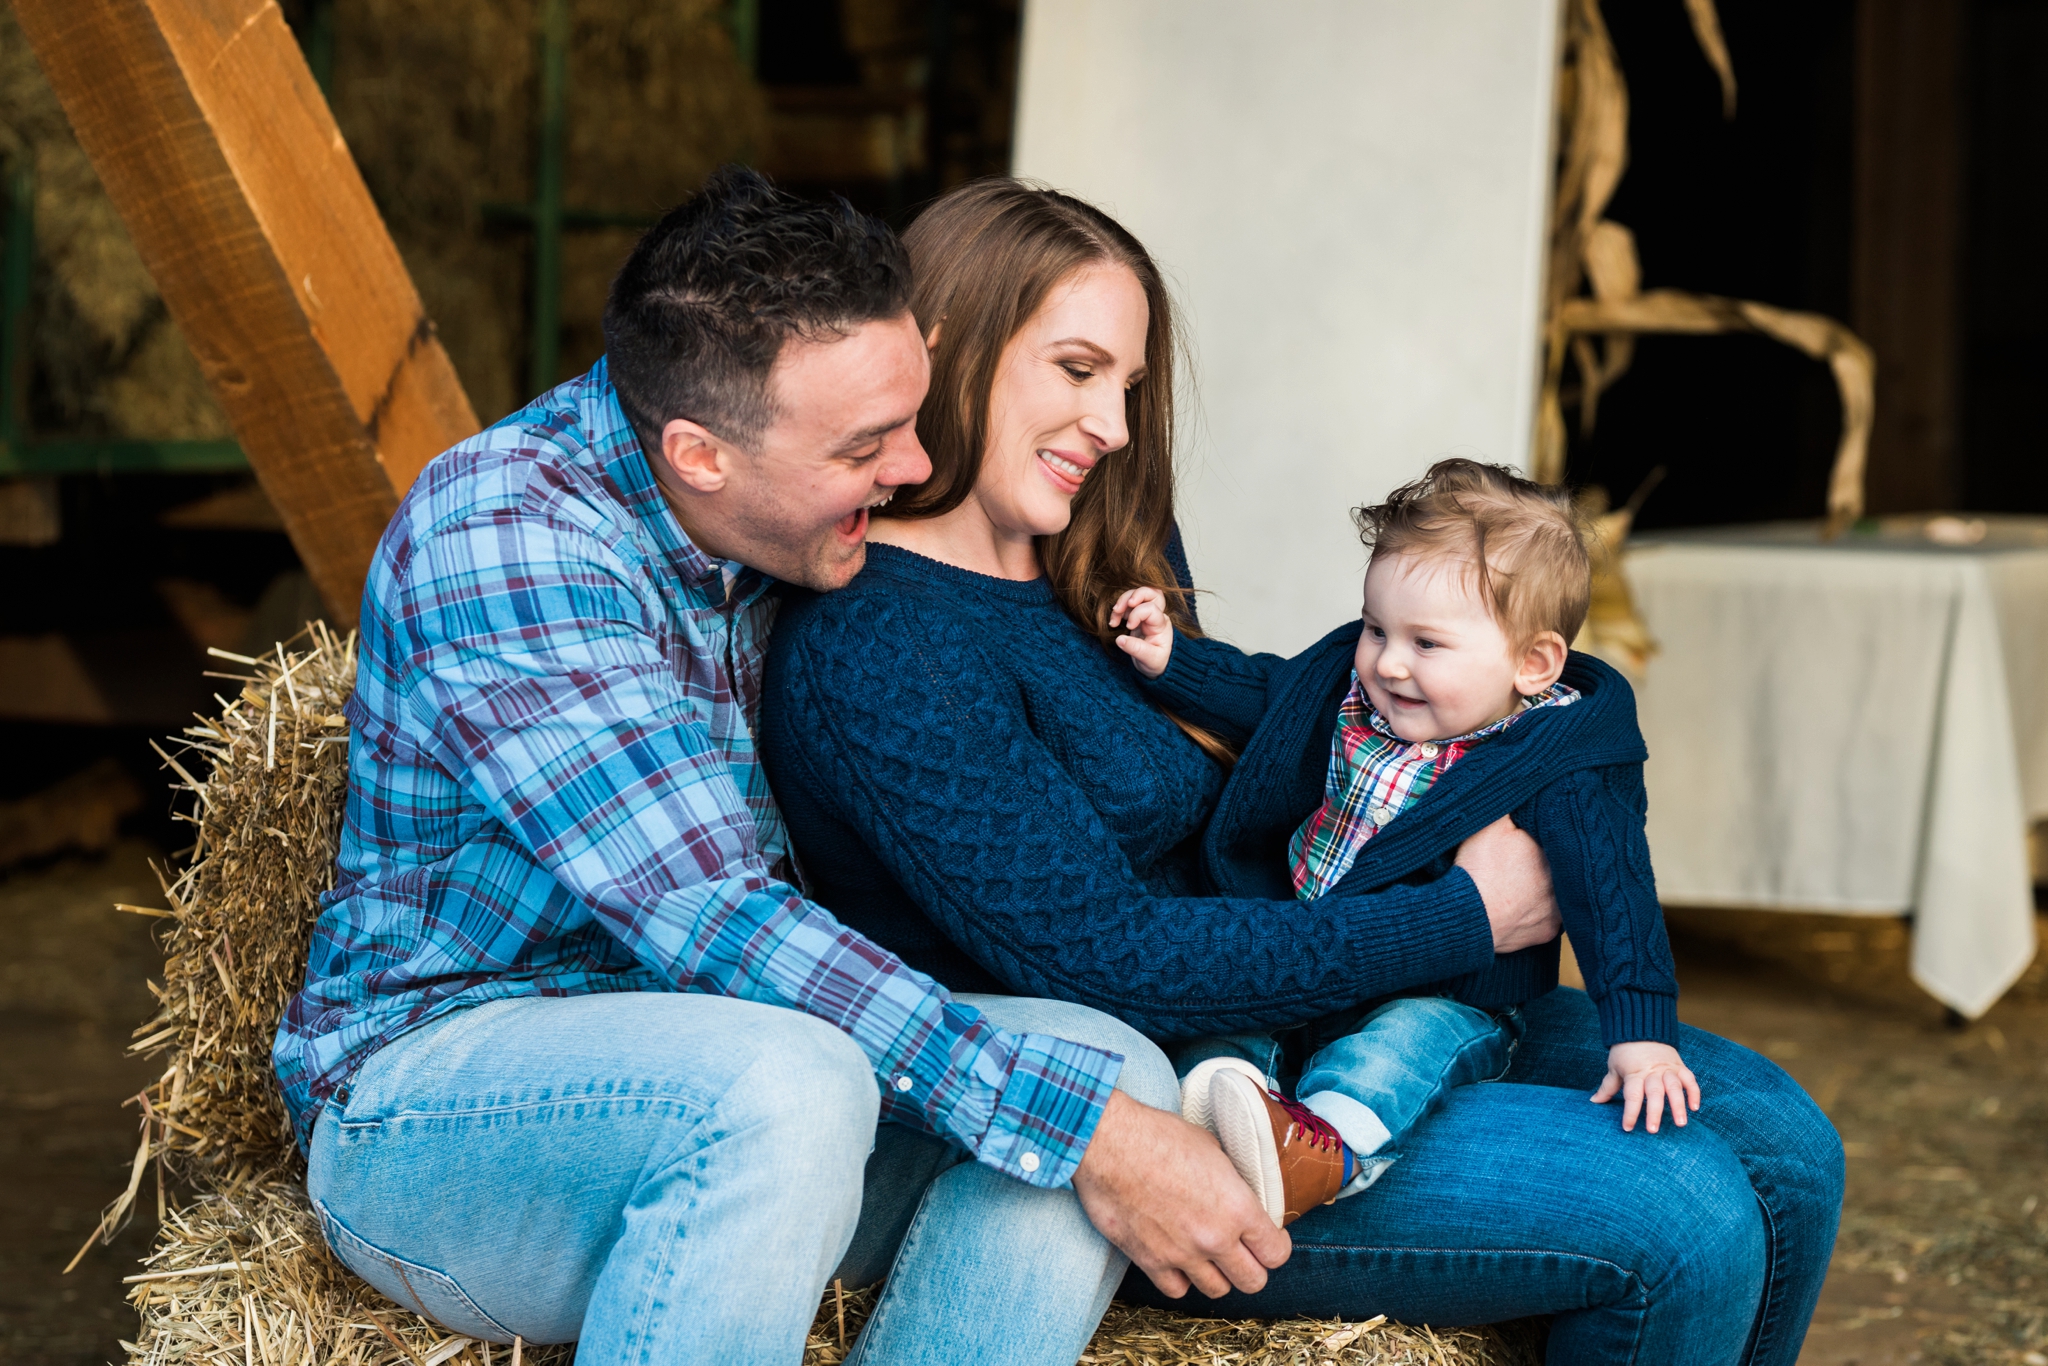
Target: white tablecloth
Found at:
x=1858, y=727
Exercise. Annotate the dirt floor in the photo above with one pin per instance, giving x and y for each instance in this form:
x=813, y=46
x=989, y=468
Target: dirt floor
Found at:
x=1943, y=1255
x=71, y=987
x=1944, y=1249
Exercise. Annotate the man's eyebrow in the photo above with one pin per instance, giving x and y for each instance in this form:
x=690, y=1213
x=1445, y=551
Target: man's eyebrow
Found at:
x=874, y=433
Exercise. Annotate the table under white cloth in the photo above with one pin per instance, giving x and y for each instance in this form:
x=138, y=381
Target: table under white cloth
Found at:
x=1857, y=727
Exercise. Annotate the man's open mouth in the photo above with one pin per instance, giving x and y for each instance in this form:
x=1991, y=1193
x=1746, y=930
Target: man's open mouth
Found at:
x=853, y=527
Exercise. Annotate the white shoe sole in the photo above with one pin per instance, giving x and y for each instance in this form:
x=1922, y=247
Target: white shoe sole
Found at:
x=1194, y=1088
x=1237, y=1105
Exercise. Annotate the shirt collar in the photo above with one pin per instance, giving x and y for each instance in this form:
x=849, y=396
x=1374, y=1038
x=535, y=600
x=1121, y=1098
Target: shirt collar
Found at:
x=1358, y=703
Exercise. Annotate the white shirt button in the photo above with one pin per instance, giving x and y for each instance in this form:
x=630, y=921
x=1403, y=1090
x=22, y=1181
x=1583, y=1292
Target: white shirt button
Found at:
x=1429, y=749
x=1029, y=1162
x=903, y=1083
x=1381, y=814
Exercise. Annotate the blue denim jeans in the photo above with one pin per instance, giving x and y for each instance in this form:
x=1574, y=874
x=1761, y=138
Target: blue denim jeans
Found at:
x=1375, y=1084
x=1705, y=1244
x=560, y=1168
x=675, y=1178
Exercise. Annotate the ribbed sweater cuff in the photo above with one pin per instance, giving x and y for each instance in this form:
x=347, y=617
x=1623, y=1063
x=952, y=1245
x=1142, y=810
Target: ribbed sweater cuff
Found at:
x=1438, y=931
x=1631, y=1016
x=1180, y=687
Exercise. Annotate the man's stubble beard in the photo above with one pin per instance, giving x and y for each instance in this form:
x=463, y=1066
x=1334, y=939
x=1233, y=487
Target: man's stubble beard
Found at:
x=819, y=562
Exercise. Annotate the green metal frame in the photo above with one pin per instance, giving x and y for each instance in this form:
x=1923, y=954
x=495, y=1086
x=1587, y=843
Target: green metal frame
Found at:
x=547, y=217
x=20, y=453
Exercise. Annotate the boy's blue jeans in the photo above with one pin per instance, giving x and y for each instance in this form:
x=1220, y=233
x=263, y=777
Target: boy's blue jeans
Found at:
x=675, y=1178
x=1377, y=1082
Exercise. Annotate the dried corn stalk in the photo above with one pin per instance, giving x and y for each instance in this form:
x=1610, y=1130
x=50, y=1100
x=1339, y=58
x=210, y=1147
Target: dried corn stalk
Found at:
x=1586, y=250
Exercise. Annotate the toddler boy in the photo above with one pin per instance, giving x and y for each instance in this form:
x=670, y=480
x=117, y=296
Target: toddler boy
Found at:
x=1463, y=705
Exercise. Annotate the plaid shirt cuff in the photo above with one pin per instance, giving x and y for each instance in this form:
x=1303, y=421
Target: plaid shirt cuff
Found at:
x=1047, y=1113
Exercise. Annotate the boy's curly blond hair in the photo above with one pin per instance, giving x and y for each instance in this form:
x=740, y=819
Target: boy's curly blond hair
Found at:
x=1520, y=540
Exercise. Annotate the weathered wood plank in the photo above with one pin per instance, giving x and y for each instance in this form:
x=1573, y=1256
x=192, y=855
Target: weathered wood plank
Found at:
x=219, y=152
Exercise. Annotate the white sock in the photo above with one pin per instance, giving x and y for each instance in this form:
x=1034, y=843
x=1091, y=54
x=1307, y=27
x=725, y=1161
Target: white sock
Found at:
x=1362, y=1131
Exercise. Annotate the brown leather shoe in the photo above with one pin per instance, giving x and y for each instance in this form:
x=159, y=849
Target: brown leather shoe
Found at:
x=1290, y=1157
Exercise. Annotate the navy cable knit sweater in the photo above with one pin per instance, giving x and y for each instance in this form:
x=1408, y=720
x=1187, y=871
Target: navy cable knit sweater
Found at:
x=1570, y=776
x=982, y=788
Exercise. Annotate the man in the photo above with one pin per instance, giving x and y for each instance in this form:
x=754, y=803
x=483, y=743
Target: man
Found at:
x=575, y=1059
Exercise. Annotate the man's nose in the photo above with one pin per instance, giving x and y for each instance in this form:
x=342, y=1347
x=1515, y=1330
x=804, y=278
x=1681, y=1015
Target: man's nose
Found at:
x=904, y=461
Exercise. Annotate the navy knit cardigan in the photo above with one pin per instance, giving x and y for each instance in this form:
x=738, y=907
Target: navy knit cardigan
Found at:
x=1571, y=776
x=979, y=786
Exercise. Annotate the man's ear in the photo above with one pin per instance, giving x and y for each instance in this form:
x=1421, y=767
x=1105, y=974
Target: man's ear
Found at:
x=1542, y=662
x=699, y=461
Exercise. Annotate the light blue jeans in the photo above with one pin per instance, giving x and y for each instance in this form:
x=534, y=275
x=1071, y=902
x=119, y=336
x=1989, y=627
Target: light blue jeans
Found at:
x=675, y=1178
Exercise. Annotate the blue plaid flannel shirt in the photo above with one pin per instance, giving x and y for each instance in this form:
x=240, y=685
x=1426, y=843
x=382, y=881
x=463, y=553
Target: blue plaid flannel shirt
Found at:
x=553, y=790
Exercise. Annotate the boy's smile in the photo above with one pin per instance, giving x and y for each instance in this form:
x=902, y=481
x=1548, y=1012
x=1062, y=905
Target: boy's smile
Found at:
x=1433, y=660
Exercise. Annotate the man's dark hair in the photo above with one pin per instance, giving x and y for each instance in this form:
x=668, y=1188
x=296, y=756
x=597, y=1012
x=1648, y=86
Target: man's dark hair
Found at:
x=702, y=307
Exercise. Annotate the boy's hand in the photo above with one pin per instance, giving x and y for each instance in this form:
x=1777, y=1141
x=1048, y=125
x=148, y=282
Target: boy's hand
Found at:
x=1652, y=1073
x=1149, y=642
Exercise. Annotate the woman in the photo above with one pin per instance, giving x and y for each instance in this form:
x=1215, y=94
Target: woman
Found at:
x=974, y=779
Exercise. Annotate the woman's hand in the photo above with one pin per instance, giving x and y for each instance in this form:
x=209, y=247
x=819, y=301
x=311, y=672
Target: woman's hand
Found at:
x=1513, y=879
x=1648, y=1073
x=1149, y=642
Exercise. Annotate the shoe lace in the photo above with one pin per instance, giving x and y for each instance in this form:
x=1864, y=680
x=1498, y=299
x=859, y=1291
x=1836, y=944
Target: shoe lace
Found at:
x=1316, y=1129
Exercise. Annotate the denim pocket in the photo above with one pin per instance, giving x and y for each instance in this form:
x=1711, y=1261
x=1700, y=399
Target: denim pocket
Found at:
x=418, y=1288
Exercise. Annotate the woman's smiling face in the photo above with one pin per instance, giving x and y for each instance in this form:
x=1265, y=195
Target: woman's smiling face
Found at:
x=1057, y=406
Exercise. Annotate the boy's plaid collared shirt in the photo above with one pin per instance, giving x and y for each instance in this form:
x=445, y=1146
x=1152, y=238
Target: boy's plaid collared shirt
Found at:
x=553, y=790
x=1374, y=776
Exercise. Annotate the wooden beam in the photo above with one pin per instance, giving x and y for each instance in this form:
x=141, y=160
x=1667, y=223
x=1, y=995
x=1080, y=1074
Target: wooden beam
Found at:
x=1906, y=257
x=219, y=152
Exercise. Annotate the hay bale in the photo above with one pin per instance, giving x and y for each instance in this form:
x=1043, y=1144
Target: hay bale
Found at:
x=240, y=1272
x=439, y=103
x=1131, y=1335
x=106, y=358
x=268, y=811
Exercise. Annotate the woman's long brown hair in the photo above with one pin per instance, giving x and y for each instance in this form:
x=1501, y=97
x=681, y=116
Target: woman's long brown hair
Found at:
x=984, y=259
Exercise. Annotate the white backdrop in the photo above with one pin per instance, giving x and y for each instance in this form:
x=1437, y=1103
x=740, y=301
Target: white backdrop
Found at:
x=1348, y=198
